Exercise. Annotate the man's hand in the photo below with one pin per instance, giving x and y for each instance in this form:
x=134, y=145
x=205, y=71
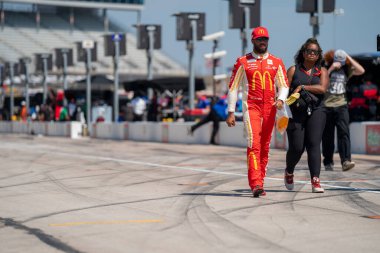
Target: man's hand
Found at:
x=279, y=104
x=230, y=119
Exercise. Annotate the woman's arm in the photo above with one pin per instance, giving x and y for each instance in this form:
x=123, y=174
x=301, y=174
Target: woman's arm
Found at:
x=290, y=74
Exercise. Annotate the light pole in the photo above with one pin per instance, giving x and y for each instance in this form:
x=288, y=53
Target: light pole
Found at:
x=88, y=85
x=315, y=8
x=12, y=69
x=116, y=40
x=337, y=12
x=87, y=53
x=190, y=27
x=214, y=56
x=63, y=59
x=115, y=46
x=24, y=69
x=149, y=38
x=243, y=15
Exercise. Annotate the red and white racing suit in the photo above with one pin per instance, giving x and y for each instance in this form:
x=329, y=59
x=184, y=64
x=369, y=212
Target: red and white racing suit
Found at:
x=263, y=78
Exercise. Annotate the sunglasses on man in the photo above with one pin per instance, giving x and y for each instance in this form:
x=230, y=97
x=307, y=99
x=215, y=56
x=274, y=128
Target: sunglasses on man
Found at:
x=262, y=39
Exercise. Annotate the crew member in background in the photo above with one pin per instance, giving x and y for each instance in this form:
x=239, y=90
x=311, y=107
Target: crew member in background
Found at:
x=218, y=112
x=265, y=88
x=139, y=107
x=340, y=67
x=23, y=112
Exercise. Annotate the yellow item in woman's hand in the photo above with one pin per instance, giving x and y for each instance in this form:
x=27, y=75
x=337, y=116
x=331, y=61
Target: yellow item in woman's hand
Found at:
x=292, y=98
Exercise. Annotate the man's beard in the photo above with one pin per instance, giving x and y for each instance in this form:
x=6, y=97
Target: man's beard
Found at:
x=259, y=50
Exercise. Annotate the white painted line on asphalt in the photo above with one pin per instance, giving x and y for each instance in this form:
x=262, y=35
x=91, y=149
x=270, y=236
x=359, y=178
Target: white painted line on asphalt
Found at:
x=206, y=170
x=150, y=164
x=109, y=222
x=190, y=169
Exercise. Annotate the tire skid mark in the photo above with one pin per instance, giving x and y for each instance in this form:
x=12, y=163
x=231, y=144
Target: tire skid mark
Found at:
x=276, y=202
x=160, y=180
x=62, y=179
x=181, y=205
x=16, y=175
x=69, y=190
x=41, y=235
x=243, y=235
x=178, y=211
x=198, y=221
x=356, y=201
x=42, y=216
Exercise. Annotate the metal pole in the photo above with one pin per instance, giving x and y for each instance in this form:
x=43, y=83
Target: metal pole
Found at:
x=38, y=19
x=243, y=41
x=2, y=93
x=105, y=20
x=71, y=20
x=246, y=32
x=64, y=56
x=27, y=101
x=116, y=81
x=12, y=101
x=337, y=12
x=150, y=60
x=45, y=62
x=192, y=66
x=334, y=30
x=174, y=104
x=313, y=20
x=138, y=18
x=214, y=62
x=317, y=20
x=88, y=89
x=150, y=54
x=320, y=12
x=2, y=16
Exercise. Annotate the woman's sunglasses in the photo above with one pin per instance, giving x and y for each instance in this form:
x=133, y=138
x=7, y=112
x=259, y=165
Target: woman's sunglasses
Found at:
x=312, y=51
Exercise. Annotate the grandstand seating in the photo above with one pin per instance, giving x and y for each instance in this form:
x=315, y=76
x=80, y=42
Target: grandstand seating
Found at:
x=20, y=37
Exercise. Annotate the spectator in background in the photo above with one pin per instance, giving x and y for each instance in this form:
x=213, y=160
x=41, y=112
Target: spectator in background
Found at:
x=72, y=109
x=218, y=112
x=101, y=117
x=122, y=114
x=61, y=112
x=45, y=113
x=139, y=107
x=153, y=109
x=203, y=102
x=64, y=114
x=23, y=111
x=341, y=67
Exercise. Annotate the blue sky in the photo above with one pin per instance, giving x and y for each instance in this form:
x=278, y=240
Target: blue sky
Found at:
x=355, y=31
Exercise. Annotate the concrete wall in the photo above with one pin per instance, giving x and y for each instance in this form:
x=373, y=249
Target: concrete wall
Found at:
x=365, y=136
x=64, y=129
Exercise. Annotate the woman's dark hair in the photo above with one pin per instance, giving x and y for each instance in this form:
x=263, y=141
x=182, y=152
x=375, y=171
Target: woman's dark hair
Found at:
x=298, y=58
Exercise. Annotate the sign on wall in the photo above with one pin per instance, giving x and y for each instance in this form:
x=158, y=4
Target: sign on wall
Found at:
x=373, y=139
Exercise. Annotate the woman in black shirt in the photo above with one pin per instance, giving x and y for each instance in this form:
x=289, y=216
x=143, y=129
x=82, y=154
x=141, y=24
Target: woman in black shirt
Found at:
x=306, y=127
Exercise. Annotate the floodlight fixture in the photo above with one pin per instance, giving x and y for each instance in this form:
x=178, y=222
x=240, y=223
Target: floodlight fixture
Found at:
x=215, y=55
x=214, y=36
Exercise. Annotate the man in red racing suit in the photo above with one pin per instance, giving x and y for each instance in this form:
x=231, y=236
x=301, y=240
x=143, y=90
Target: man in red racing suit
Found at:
x=265, y=88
